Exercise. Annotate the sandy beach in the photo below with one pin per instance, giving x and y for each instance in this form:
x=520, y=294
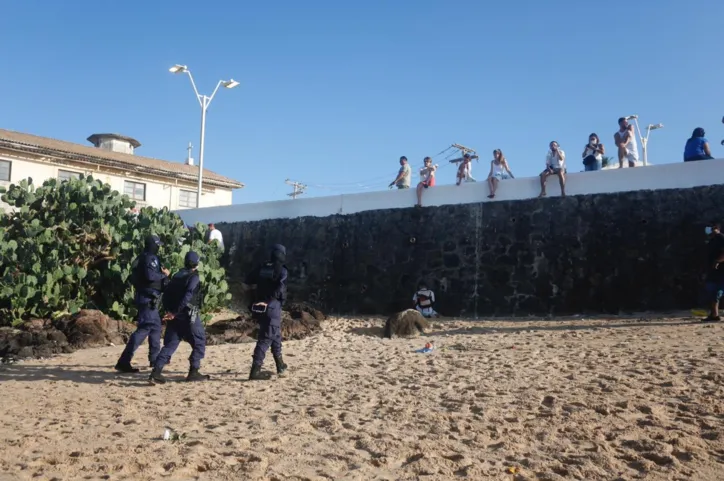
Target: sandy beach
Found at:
x=572, y=399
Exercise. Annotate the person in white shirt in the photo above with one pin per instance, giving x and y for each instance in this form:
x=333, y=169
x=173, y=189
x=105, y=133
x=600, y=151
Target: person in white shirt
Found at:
x=626, y=142
x=555, y=165
x=215, y=235
x=424, y=300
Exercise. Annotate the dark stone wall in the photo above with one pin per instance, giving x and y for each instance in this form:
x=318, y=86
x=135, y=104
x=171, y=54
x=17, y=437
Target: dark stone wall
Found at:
x=609, y=253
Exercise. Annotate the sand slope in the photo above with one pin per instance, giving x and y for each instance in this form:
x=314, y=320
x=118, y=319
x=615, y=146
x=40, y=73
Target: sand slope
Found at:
x=586, y=400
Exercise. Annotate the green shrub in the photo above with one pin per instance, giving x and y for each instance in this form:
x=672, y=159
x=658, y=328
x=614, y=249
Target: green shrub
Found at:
x=69, y=245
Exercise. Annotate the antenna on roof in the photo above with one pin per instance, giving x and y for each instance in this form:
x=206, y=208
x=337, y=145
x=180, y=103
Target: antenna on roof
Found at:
x=298, y=188
x=189, y=159
x=465, y=151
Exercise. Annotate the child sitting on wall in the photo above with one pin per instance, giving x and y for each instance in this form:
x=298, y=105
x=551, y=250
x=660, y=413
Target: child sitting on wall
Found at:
x=424, y=300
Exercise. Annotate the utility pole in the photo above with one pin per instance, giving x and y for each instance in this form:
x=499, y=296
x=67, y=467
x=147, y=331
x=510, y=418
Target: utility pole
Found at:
x=298, y=188
x=464, y=150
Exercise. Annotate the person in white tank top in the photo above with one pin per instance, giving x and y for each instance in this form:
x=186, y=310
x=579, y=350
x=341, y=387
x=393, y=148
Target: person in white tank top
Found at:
x=625, y=140
x=499, y=170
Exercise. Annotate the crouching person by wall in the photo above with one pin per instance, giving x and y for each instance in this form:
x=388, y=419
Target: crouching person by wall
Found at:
x=424, y=300
x=182, y=302
x=268, y=297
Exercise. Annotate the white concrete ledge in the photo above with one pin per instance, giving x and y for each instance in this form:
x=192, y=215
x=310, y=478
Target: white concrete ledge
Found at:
x=668, y=176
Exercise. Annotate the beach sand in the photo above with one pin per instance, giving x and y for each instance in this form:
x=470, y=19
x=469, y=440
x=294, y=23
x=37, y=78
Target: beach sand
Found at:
x=573, y=399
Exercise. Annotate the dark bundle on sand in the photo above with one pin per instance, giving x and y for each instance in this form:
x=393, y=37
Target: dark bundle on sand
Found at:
x=298, y=321
x=407, y=323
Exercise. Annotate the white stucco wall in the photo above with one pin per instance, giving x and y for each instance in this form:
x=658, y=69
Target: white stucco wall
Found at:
x=158, y=194
x=667, y=176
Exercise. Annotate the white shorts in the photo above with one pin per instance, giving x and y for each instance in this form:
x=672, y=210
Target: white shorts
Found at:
x=427, y=311
x=632, y=156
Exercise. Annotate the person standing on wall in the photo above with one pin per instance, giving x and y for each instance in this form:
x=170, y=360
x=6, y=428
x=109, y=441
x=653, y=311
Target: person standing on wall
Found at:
x=427, y=178
x=715, y=270
x=555, y=165
x=182, y=302
x=149, y=279
x=215, y=235
x=593, y=154
x=625, y=140
x=270, y=292
x=402, y=181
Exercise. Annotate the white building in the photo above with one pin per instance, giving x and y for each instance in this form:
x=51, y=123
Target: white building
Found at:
x=111, y=159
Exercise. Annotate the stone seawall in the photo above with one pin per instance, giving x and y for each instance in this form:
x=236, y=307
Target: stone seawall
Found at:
x=607, y=253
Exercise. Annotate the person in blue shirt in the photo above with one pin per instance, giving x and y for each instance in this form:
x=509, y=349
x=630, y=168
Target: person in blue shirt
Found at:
x=697, y=147
x=269, y=295
x=149, y=280
x=182, y=301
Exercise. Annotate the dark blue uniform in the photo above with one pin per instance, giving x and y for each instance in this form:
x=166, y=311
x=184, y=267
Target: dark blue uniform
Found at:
x=271, y=289
x=182, y=301
x=150, y=282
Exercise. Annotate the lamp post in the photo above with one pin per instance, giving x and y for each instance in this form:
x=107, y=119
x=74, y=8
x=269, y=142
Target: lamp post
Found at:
x=644, y=140
x=204, y=101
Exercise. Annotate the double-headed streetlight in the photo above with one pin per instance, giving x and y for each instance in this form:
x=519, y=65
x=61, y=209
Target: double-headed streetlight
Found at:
x=644, y=140
x=204, y=101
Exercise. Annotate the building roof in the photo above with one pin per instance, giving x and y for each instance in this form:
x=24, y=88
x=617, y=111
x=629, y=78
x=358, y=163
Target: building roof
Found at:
x=92, y=155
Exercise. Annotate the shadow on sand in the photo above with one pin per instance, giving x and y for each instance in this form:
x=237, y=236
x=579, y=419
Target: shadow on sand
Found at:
x=104, y=375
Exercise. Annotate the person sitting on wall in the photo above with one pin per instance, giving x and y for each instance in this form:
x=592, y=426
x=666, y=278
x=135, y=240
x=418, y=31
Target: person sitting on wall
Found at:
x=424, y=300
x=427, y=176
x=697, y=147
x=499, y=170
x=402, y=181
x=465, y=170
x=555, y=165
x=715, y=269
x=593, y=154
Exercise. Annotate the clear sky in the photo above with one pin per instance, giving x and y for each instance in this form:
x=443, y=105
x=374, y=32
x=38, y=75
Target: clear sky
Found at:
x=333, y=92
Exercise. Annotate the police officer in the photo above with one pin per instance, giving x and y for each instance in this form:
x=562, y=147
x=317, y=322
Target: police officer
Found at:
x=271, y=291
x=182, y=301
x=149, y=279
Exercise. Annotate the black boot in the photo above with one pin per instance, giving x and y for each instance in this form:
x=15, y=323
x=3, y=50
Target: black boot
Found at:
x=127, y=368
x=281, y=367
x=195, y=375
x=156, y=377
x=255, y=373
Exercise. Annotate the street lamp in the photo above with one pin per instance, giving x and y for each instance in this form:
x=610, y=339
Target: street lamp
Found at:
x=204, y=101
x=644, y=140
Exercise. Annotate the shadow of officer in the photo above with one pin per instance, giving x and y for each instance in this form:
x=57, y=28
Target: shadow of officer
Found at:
x=271, y=290
x=182, y=301
x=149, y=280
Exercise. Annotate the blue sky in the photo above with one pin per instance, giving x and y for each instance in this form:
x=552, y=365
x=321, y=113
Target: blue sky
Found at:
x=334, y=92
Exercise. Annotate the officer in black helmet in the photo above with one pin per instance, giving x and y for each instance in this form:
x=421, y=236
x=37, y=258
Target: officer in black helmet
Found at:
x=269, y=296
x=182, y=302
x=149, y=280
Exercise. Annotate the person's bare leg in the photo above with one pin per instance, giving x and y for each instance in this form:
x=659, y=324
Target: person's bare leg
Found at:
x=714, y=309
x=543, y=178
x=493, y=184
x=562, y=182
x=419, y=194
x=621, y=155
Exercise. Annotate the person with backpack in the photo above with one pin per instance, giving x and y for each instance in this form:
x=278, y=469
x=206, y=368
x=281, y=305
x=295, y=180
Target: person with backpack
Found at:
x=182, y=302
x=269, y=295
x=149, y=279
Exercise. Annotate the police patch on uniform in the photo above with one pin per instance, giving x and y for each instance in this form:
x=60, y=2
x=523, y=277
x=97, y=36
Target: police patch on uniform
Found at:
x=154, y=263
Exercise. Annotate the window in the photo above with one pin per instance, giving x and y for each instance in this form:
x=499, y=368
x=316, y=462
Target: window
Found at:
x=5, y=168
x=64, y=175
x=186, y=198
x=135, y=190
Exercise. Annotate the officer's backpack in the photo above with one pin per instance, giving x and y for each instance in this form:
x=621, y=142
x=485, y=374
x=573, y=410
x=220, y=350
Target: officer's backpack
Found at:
x=176, y=289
